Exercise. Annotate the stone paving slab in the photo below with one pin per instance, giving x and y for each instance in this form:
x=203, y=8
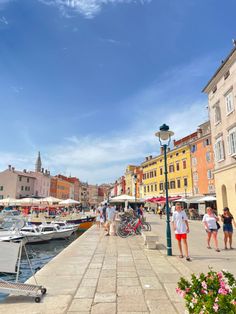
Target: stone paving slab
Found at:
x=98, y=274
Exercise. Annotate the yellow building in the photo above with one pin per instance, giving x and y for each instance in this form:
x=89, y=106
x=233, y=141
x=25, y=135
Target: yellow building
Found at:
x=129, y=183
x=179, y=174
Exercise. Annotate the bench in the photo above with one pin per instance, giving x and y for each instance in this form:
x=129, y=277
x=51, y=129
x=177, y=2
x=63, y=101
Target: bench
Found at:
x=150, y=239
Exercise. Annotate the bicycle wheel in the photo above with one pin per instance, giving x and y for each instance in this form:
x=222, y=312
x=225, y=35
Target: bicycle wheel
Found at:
x=122, y=231
x=146, y=226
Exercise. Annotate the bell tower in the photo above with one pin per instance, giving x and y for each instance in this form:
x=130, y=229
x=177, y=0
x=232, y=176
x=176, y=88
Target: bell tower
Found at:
x=38, y=165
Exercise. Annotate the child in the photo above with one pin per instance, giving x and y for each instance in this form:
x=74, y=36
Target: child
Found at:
x=181, y=228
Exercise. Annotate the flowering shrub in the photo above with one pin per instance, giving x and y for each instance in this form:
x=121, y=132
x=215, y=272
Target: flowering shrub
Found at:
x=212, y=293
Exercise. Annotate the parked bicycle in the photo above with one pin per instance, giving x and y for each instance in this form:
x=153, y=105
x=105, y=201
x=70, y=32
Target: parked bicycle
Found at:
x=132, y=225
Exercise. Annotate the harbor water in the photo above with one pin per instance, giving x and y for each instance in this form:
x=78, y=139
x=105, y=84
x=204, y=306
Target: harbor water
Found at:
x=39, y=255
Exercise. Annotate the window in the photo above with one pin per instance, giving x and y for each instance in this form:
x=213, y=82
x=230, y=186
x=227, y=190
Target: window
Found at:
x=229, y=102
x=145, y=189
x=185, y=182
x=217, y=114
x=206, y=142
x=147, y=175
x=183, y=151
x=195, y=176
x=155, y=187
x=211, y=188
x=219, y=149
x=232, y=141
x=172, y=184
x=148, y=188
x=194, y=161
x=171, y=168
x=1, y=188
x=177, y=154
x=161, y=186
x=161, y=171
x=155, y=173
x=193, y=148
x=20, y=178
x=184, y=164
x=196, y=190
x=227, y=74
x=1, y=197
x=151, y=188
x=208, y=156
x=209, y=174
x=22, y=188
x=27, y=180
x=178, y=184
x=177, y=166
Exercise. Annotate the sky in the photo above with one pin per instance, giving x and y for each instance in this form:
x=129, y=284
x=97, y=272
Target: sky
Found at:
x=89, y=82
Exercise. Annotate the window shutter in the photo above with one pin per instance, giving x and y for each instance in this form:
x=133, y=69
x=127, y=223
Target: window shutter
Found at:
x=229, y=145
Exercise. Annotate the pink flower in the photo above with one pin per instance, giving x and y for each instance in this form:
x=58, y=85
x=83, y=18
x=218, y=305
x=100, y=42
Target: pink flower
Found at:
x=203, y=291
x=216, y=299
x=204, y=285
x=233, y=302
x=220, y=275
x=215, y=307
x=187, y=290
x=194, y=300
x=222, y=284
x=222, y=291
x=180, y=292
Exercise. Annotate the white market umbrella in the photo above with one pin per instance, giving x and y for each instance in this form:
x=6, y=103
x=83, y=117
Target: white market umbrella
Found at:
x=28, y=201
x=8, y=201
x=50, y=200
x=123, y=198
x=69, y=201
x=208, y=198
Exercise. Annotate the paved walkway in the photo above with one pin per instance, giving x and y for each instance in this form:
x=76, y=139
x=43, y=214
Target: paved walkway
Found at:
x=99, y=274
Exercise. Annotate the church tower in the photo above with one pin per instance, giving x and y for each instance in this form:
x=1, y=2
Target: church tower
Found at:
x=38, y=165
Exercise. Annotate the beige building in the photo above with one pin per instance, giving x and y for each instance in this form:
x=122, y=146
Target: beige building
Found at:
x=129, y=179
x=221, y=91
x=16, y=184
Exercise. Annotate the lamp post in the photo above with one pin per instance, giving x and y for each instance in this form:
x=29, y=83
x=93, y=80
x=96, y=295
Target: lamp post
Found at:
x=135, y=191
x=164, y=135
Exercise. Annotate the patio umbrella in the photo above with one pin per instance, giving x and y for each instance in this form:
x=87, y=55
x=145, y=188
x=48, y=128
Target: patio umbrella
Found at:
x=208, y=198
x=69, y=201
x=8, y=201
x=28, y=201
x=123, y=198
x=50, y=200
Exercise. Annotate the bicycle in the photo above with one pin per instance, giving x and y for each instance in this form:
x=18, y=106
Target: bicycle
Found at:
x=128, y=228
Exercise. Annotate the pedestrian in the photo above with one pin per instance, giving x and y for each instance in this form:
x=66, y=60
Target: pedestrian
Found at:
x=228, y=221
x=110, y=216
x=104, y=213
x=98, y=217
x=160, y=211
x=181, y=228
x=210, y=221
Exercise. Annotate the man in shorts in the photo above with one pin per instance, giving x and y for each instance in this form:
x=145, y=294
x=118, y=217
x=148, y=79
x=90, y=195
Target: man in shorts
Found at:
x=181, y=228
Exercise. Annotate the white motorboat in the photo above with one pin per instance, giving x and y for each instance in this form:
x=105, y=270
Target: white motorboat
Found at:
x=34, y=235
x=58, y=232
x=65, y=225
x=11, y=236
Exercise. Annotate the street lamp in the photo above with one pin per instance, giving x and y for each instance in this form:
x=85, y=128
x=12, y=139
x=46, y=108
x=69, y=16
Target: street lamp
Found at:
x=135, y=190
x=164, y=136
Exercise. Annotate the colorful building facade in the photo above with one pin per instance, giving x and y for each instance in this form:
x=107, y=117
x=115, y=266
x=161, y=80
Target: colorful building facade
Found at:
x=221, y=91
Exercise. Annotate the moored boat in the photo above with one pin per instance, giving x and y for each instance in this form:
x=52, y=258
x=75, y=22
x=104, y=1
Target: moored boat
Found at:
x=34, y=235
x=58, y=233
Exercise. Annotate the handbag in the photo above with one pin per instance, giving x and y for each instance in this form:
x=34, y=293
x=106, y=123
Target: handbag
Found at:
x=218, y=225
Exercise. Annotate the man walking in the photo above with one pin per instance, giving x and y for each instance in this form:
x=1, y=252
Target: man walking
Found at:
x=181, y=228
x=110, y=214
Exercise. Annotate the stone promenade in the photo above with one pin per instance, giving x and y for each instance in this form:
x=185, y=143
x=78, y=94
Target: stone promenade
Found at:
x=99, y=274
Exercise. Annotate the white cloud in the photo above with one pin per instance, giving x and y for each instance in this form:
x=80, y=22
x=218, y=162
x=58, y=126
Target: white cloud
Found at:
x=88, y=8
x=103, y=158
x=3, y=20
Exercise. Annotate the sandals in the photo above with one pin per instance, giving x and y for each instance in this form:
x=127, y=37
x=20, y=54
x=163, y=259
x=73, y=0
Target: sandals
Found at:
x=181, y=256
x=217, y=250
x=188, y=259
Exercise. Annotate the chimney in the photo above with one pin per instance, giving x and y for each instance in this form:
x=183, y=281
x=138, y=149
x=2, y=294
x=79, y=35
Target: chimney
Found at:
x=42, y=170
x=24, y=171
x=146, y=158
x=13, y=169
x=162, y=150
x=9, y=167
x=168, y=149
x=150, y=157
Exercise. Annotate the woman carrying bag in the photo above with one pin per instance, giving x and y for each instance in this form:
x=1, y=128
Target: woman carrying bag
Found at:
x=210, y=221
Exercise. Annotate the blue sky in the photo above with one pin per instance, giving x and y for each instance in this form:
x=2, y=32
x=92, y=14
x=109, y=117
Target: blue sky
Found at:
x=89, y=82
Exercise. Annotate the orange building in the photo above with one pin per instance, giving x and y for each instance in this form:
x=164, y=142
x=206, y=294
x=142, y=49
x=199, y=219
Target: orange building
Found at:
x=203, y=161
x=60, y=188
